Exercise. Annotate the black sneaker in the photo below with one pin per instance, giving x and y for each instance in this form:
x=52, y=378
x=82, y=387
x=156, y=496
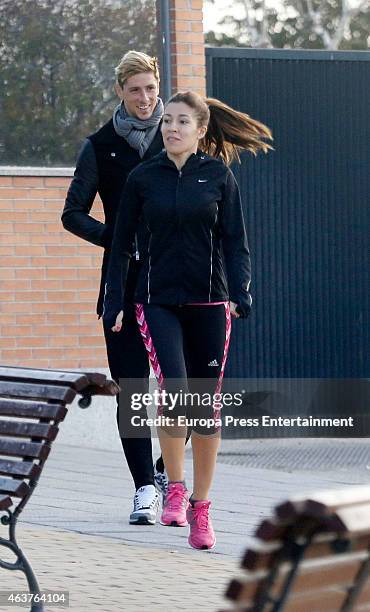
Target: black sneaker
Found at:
x=161, y=481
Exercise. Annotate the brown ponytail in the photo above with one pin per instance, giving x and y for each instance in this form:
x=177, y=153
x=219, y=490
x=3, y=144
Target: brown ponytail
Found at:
x=229, y=131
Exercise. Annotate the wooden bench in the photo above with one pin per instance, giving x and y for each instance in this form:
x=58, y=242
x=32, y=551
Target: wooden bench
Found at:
x=312, y=556
x=32, y=404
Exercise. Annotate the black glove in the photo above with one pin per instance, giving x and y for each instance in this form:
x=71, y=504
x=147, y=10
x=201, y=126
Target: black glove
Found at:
x=243, y=313
x=244, y=306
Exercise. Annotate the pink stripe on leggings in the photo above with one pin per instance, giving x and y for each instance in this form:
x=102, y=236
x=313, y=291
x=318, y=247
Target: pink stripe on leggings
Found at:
x=148, y=342
x=217, y=411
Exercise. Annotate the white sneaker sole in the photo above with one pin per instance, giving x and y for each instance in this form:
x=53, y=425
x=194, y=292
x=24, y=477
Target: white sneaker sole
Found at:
x=142, y=519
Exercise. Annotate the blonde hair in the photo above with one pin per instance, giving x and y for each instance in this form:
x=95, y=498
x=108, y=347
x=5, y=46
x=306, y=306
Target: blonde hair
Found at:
x=134, y=62
x=229, y=132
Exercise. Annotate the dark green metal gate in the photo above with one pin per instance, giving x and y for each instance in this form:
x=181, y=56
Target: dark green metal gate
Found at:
x=307, y=208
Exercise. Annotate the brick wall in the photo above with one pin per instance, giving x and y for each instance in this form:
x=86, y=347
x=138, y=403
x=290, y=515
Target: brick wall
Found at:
x=187, y=45
x=48, y=280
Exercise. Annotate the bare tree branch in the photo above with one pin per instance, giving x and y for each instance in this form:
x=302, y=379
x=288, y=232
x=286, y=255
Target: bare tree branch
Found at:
x=348, y=13
x=346, y=16
x=317, y=25
x=257, y=34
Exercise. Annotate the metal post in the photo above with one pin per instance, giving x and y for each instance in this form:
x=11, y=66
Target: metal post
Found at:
x=165, y=51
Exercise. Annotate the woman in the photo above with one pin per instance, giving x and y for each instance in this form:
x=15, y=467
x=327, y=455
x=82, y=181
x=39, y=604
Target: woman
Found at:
x=189, y=201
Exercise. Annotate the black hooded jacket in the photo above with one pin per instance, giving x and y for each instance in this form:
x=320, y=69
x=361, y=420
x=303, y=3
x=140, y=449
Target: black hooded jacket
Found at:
x=197, y=249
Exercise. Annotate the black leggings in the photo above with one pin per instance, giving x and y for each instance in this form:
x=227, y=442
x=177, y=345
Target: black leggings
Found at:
x=128, y=363
x=187, y=347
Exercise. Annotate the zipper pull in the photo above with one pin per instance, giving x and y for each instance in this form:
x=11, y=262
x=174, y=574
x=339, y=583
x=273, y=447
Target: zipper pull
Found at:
x=180, y=173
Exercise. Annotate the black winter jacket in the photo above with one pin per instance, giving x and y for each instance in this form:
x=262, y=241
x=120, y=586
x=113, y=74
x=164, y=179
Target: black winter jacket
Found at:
x=197, y=245
x=103, y=165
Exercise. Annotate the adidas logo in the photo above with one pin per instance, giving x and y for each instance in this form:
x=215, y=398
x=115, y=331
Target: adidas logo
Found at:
x=213, y=364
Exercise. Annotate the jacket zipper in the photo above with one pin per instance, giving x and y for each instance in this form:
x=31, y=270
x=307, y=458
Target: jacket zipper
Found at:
x=178, y=218
x=211, y=266
x=105, y=295
x=149, y=267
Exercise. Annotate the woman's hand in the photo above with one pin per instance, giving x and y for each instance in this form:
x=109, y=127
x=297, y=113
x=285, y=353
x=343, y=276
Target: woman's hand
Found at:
x=233, y=312
x=118, y=324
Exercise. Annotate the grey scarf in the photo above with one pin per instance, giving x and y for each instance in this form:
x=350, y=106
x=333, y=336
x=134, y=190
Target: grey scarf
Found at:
x=139, y=133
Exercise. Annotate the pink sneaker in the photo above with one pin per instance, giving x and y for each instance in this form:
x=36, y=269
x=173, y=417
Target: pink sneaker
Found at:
x=201, y=535
x=175, y=505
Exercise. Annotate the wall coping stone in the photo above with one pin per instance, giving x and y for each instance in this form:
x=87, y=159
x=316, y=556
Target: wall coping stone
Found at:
x=35, y=171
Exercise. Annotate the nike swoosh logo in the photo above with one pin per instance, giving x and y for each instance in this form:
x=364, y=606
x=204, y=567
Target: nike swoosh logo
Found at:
x=202, y=180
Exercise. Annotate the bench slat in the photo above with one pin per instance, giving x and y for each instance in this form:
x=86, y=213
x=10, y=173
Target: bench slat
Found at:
x=339, y=570
x=110, y=388
x=329, y=600
x=262, y=555
x=76, y=380
x=41, y=391
x=28, y=430
x=323, y=503
x=16, y=488
x=95, y=378
x=274, y=529
x=321, y=600
x=271, y=530
x=24, y=449
x=355, y=519
x=27, y=469
x=238, y=590
x=32, y=410
x=5, y=502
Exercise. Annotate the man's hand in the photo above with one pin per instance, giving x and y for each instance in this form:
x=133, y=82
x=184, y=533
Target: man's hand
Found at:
x=118, y=325
x=233, y=312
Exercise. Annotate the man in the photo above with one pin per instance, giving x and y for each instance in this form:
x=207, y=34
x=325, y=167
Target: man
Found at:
x=131, y=136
